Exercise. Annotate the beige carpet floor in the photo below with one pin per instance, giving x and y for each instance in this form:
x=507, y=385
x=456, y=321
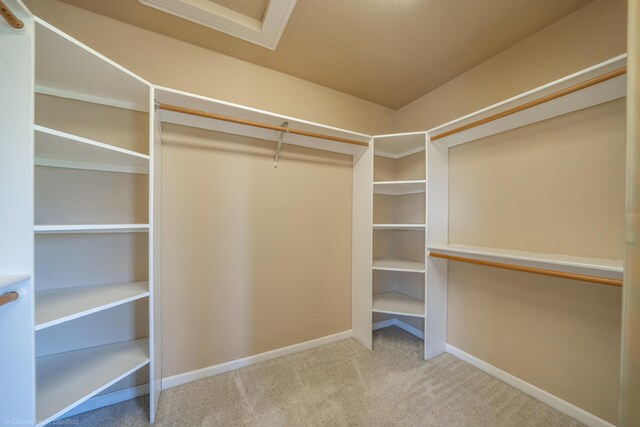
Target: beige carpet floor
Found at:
x=342, y=384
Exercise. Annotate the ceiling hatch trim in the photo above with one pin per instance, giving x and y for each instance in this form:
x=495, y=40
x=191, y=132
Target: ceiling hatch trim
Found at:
x=265, y=33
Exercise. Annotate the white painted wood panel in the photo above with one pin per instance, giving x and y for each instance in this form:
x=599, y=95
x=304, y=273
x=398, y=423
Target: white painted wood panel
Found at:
x=399, y=188
x=59, y=149
x=55, y=306
x=610, y=268
x=398, y=145
x=398, y=264
x=65, y=380
x=398, y=303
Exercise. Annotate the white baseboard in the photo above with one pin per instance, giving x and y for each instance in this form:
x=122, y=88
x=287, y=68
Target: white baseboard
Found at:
x=400, y=324
x=554, y=401
x=107, y=399
x=188, y=377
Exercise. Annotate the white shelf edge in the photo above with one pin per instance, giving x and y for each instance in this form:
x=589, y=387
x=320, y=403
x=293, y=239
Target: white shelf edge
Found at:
x=565, y=263
x=67, y=94
x=7, y=280
x=398, y=295
x=82, y=140
x=91, y=228
x=415, y=181
x=395, y=188
x=88, y=166
x=388, y=155
x=95, y=309
x=418, y=227
x=144, y=342
x=421, y=269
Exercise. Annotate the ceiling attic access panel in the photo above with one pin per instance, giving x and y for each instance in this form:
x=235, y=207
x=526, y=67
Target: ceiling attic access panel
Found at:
x=69, y=69
x=190, y=101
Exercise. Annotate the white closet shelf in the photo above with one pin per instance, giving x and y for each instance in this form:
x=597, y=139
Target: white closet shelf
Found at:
x=12, y=279
x=603, y=92
x=398, y=303
x=54, y=148
x=56, y=306
x=65, y=380
x=398, y=264
x=399, y=188
x=399, y=227
x=70, y=69
x=91, y=228
x=215, y=106
x=608, y=268
x=395, y=146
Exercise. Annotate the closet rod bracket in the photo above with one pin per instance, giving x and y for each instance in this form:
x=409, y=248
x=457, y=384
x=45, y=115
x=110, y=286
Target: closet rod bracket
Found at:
x=277, y=157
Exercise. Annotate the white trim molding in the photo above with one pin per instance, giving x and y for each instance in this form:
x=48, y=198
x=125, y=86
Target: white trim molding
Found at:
x=265, y=33
x=555, y=402
x=232, y=365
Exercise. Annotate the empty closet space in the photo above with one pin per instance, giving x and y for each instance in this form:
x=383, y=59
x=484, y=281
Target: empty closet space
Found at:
x=554, y=187
x=254, y=257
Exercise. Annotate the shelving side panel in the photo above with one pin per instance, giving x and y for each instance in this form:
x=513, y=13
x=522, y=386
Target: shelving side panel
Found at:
x=362, y=247
x=155, y=257
x=437, y=209
x=16, y=218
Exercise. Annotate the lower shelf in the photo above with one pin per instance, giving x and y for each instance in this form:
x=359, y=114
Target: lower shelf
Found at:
x=398, y=264
x=65, y=380
x=398, y=303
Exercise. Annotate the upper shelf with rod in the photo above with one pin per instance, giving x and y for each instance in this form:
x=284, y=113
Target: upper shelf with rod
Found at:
x=192, y=110
x=594, y=85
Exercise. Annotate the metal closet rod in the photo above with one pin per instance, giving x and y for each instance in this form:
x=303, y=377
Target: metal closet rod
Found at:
x=533, y=270
x=183, y=110
x=571, y=89
x=8, y=297
x=8, y=16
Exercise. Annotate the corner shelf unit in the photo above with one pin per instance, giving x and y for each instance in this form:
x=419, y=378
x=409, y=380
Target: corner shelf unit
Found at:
x=399, y=228
x=74, y=244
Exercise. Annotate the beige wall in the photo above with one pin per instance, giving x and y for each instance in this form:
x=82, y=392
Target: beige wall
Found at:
x=254, y=258
x=168, y=62
x=557, y=186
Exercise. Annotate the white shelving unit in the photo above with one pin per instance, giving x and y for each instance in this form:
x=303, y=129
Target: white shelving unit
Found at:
x=68, y=379
x=59, y=149
x=399, y=304
x=399, y=188
x=75, y=370
x=56, y=306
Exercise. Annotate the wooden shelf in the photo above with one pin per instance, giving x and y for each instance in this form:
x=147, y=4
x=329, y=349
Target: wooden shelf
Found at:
x=418, y=227
x=609, y=268
x=65, y=380
x=12, y=279
x=69, y=69
x=56, y=306
x=398, y=303
x=399, y=145
x=214, y=106
x=398, y=264
x=91, y=228
x=594, y=95
x=59, y=149
x=399, y=188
